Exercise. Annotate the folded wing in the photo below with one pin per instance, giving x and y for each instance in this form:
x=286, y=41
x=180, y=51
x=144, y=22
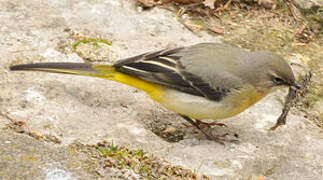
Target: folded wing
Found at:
x=165, y=68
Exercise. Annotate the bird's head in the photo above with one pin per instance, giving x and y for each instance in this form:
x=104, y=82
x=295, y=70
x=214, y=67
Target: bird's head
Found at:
x=272, y=71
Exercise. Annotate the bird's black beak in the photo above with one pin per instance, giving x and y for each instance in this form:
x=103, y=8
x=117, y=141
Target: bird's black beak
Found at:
x=296, y=85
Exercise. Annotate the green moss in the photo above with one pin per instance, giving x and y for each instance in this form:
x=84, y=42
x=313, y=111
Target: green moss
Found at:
x=108, y=150
x=93, y=41
x=30, y=158
x=90, y=40
x=222, y=164
x=139, y=152
x=269, y=172
x=200, y=22
x=147, y=166
x=281, y=4
x=315, y=94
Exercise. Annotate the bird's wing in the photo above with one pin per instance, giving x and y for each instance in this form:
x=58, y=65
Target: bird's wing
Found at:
x=165, y=68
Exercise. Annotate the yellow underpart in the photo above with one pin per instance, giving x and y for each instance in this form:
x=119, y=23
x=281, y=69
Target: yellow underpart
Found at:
x=152, y=89
x=244, y=98
x=106, y=72
x=201, y=108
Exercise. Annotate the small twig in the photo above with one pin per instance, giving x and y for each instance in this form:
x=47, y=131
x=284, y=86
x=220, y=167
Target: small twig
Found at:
x=21, y=127
x=291, y=98
x=226, y=5
x=288, y=103
x=296, y=14
x=7, y=117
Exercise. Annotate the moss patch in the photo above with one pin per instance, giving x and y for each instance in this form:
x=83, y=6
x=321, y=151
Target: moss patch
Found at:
x=92, y=49
x=109, y=155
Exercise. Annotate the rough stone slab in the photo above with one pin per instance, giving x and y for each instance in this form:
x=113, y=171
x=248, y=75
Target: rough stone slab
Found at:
x=92, y=110
x=23, y=157
x=308, y=4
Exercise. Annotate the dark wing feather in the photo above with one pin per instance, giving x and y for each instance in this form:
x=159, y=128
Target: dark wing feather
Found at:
x=164, y=68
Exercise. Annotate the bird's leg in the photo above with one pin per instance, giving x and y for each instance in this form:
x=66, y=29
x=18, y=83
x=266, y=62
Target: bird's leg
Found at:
x=219, y=138
x=191, y=121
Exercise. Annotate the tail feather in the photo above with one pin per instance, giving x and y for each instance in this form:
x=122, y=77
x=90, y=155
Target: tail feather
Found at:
x=40, y=66
x=93, y=70
x=68, y=68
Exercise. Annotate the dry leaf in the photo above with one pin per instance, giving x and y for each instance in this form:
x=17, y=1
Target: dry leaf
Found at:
x=183, y=1
x=209, y=3
x=147, y=3
x=269, y=4
x=192, y=27
x=260, y=178
x=216, y=30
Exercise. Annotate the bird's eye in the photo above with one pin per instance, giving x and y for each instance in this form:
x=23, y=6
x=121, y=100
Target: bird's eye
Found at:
x=278, y=81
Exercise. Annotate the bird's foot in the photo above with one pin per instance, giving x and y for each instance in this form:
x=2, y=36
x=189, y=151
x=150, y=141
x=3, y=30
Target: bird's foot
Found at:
x=205, y=124
x=218, y=138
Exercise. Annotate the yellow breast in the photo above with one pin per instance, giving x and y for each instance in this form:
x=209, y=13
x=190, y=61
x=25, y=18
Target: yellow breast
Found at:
x=243, y=99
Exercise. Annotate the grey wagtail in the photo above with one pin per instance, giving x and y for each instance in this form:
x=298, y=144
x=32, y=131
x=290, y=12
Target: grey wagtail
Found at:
x=202, y=81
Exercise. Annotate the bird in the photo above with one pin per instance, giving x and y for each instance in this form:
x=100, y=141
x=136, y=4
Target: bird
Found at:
x=198, y=82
